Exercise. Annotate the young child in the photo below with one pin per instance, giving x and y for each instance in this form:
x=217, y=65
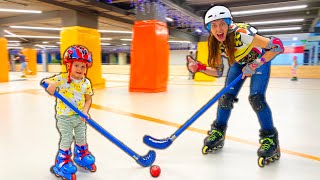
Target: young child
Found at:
x=294, y=69
x=76, y=88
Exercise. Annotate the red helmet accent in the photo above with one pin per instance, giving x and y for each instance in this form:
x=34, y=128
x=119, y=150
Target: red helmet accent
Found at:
x=77, y=53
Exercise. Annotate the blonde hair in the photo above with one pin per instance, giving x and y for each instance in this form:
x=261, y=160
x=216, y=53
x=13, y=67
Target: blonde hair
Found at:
x=214, y=50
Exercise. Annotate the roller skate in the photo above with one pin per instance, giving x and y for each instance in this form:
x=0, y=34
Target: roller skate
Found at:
x=64, y=167
x=215, y=140
x=269, y=150
x=84, y=158
x=294, y=79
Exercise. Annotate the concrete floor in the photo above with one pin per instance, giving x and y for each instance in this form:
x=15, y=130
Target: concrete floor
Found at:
x=29, y=138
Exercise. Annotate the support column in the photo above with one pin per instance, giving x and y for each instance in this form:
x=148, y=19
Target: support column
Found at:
x=13, y=63
x=4, y=59
x=149, y=56
x=44, y=60
x=122, y=57
x=31, y=58
x=79, y=28
x=202, y=57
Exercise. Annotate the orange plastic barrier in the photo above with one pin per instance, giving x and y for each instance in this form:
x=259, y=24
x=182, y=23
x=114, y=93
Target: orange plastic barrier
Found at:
x=4, y=60
x=90, y=38
x=31, y=57
x=149, y=57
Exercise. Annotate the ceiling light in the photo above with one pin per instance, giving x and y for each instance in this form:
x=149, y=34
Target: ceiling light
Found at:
x=198, y=30
x=268, y=10
x=43, y=37
x=8, y=32
x=14, y=41
x=169, y=19
x=28, y=36
x=126, y=39
x=279, y=29
x=105, y=44
x=45, y=46
x=59, y=29
x=276, y=21
x=13, y=35
x=14, y=47
x=37, y=28
x=179, y=41
x=106, y=38
x=19, y=10
x=124, y=44
x=295, y=38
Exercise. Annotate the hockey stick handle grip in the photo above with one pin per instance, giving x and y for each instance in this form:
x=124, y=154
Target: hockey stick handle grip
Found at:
x=58, y=95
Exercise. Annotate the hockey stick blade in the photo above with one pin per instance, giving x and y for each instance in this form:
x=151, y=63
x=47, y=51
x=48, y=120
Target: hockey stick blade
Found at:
x=164, y=143
x=148, y=159
x=142, y=160
x=157, y=143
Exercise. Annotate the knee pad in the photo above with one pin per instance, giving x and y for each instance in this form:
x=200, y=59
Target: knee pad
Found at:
x=257, y=102
x=275, y=45
x=227, y=100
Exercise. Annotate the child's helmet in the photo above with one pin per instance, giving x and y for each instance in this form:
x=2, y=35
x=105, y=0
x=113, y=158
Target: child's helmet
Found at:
x=217, y=12
x=77, y=53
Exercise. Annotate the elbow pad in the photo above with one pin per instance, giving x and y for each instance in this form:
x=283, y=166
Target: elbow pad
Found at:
x=220, y=70
x=275, y=45
x=219, y=73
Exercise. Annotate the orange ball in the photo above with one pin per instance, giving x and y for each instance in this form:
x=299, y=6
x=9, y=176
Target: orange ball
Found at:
x=155, y=171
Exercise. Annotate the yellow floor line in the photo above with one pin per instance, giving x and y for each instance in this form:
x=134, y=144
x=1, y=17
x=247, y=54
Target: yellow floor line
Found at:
x=168, y=123
x=159, y=121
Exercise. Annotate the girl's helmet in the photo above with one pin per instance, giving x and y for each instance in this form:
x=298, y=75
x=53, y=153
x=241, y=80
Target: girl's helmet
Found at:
x=76, y=53
x=217, y=12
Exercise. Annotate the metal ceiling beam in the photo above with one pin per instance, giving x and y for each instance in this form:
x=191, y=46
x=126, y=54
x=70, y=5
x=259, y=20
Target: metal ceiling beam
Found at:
x=30, y=18
x=181, y=6
x=273, y=16
x=183, y=35
x=230, y=4
x=109, y=7
x=284, y=32
x=87, y=11
x=312, y=4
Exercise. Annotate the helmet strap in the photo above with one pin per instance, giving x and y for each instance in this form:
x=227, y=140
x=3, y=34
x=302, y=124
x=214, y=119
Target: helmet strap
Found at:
x=69, y=71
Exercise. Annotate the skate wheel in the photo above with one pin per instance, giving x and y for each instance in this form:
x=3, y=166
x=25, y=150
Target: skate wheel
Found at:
x=52, y=171
x=277, y=157
x=261, y=162
x=93, y=168
x=272, y=159
x=205, y=150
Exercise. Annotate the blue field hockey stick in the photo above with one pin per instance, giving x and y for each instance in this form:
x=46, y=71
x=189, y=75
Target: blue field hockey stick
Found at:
x=144, y=161
x=164, y=143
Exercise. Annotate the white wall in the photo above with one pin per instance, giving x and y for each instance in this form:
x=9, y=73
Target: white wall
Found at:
x=178, y=57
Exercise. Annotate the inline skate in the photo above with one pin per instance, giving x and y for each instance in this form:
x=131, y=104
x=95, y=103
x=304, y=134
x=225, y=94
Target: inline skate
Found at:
x=215, y=140
x=269, y=150
x=64, y=167
x=84, y=158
